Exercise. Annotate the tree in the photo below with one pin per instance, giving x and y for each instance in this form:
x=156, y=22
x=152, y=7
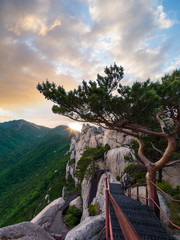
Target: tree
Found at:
x=145, y=108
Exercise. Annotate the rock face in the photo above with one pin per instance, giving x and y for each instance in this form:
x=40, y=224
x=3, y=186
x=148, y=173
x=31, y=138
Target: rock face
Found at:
x=92, y=137
x=45, y=217
x=24, y=231
x=171, y=174
x=91, y=228
x=77, y=202
x=116, y=160
x=116, y=139
x=85, y=192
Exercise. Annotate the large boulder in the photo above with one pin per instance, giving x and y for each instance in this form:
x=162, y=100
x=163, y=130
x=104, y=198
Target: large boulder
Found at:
x=116, y=160
x=92, y=228
x=46, y=216
x=85, y=192
x=77, y=202
x=24, y=231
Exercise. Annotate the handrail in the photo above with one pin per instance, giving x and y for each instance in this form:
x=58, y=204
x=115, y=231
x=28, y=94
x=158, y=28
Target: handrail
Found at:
x=128, y=230
x=154, y=202
x=167, y=195
x=165, y=214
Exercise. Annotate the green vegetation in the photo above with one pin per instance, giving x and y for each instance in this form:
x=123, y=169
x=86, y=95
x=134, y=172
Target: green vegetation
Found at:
x=37, y=171
x=87, y=165
x=71, y=161
x=166, y=187
x=72, y=217
x=118, y=178
x=175, y=211
x=137, y=173
x=94, y=209
x=70, y=188
x=174, y=206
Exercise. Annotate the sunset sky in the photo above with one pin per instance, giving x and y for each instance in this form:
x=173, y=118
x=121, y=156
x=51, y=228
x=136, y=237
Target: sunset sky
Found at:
x=66, y=41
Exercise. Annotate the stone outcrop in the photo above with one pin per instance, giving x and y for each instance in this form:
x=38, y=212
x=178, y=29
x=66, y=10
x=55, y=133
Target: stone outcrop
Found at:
x=171, y=174
x=24, y=231
x=116, y=160
x=92, y=137
x=91, y=228
x=46, y=216
x=116, y=139
x=77, y=202
x=85, y=192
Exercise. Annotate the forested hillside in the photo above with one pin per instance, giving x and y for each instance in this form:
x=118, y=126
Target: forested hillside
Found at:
x=32, y=166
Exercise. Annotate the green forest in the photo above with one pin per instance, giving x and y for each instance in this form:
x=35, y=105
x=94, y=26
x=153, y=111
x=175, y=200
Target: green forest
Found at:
x=32, y=166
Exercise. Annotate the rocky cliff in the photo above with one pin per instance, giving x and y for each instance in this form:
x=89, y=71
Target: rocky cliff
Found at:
x=115, y=160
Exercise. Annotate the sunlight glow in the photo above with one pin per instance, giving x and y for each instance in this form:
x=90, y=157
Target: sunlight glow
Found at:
x=75, y=126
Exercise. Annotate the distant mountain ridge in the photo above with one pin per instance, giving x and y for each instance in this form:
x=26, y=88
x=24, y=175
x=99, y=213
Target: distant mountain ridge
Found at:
x=32, y=161
x=20, y=132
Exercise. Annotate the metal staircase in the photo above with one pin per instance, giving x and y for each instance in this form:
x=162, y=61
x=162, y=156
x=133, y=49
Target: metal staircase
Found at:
x=141, y=217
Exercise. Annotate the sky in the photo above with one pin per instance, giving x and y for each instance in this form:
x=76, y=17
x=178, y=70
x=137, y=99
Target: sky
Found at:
x=66, y=41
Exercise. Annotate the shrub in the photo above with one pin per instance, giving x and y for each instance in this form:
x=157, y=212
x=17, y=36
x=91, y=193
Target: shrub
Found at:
x=175, y=209
x=87, y=166
x=71, y=162
x=138, y=173
x=166, y=187
x=73, y=217
x=118, y=178
x=94, y=209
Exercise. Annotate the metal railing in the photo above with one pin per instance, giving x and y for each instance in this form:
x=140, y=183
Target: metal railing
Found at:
x=154, y=205
x=128, y=230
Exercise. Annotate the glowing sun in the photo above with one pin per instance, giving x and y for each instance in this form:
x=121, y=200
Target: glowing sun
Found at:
x=75, y=126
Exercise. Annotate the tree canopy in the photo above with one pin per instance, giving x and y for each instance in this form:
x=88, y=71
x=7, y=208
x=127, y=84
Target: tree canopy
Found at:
x=108, y=103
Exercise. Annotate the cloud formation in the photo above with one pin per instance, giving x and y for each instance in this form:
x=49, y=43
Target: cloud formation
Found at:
x=68, y=41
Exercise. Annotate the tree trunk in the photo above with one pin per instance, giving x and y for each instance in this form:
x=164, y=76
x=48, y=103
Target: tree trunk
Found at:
x=150, y=177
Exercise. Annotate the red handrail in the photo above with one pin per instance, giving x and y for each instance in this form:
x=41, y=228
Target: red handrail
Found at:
x=154, y=202
x=128, y=230
x=165, y=214
x=167, y=195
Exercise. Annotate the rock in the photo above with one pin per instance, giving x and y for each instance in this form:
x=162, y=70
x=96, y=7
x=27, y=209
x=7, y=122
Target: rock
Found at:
x=46, y=216
x=85, y=191
x=100, y=195
x=70, y=170
x=77, y=202
x=91, y=228
x=116, y=139
x=115, y=160
x=163, y=205
x=171, y=174
x=24, y=231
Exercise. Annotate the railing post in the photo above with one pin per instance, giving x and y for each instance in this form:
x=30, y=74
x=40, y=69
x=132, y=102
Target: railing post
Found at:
x=146, y=196
x=107, y=213
x=137, y=192
x=154, y=195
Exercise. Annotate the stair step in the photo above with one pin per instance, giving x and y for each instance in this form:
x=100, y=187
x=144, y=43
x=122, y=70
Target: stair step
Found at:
x=142, y=217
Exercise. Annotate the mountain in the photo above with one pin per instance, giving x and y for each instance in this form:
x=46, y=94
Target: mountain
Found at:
x=32, y=168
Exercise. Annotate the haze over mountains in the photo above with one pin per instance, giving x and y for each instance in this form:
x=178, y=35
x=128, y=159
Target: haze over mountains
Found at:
x=32, y=168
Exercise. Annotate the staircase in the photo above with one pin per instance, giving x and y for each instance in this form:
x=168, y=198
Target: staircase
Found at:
x=141, y=217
